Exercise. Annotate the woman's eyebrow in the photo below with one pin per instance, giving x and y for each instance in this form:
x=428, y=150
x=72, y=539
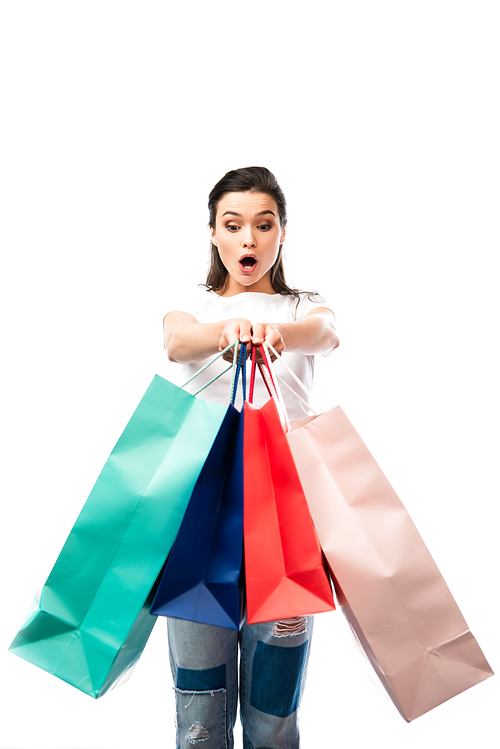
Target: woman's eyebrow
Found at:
x=233, y=213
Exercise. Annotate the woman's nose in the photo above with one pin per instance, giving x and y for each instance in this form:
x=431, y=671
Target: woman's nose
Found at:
x=249, y=240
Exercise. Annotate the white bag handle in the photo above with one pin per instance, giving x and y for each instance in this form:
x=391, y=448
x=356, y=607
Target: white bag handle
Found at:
x=217, y=356
x=317, y=409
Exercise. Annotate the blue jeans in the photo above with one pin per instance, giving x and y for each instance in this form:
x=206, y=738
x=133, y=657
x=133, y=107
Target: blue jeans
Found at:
x=273, y=665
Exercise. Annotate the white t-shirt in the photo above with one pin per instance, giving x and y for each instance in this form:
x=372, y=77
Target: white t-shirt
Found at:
x=207, y=306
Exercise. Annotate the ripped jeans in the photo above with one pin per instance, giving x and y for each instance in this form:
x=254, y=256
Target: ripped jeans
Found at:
x=273, y=665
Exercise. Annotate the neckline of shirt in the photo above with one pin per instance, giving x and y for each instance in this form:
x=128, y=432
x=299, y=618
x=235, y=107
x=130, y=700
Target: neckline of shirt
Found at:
x=246, y=293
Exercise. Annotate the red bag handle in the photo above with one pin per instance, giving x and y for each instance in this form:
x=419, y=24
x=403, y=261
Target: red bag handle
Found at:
x=261, y=369
x=274, y=393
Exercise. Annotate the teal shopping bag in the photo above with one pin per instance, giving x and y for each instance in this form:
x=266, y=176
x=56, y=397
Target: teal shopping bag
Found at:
x=91, y=621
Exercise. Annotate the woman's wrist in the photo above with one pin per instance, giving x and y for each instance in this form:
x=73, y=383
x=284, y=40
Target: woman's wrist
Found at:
x=193, y=341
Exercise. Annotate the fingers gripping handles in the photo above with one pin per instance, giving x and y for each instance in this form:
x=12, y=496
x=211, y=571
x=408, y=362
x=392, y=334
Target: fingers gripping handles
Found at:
x=269, y=376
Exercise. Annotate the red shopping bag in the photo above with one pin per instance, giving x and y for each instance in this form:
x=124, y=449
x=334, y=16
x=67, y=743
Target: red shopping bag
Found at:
x=285, y=571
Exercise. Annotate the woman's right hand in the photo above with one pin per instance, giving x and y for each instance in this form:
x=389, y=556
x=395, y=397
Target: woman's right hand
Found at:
x=237, y=329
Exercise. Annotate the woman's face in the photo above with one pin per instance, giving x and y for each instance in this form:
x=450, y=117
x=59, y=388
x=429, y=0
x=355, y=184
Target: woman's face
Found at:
x=248, y=236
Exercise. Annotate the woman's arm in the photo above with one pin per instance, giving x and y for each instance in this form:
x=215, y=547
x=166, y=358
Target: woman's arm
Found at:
x=187, y=340
x=314, y=334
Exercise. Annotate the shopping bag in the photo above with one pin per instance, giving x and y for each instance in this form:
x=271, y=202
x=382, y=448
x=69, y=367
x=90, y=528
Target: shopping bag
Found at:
x=390, y=589
x=200, y=582
x=285, y=573
x=91, y=621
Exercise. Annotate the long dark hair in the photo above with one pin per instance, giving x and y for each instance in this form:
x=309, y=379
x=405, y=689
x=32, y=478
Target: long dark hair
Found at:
x=254, y=179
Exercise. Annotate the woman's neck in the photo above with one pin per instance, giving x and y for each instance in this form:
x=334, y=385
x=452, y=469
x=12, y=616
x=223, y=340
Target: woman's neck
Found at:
x=232, y=287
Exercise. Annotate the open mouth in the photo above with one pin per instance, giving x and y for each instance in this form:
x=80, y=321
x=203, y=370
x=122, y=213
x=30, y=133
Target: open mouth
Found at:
x=247, y=263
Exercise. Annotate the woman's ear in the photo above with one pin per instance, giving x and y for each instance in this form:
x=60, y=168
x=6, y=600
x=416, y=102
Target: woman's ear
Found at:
x=212, y=235
x=283, y=234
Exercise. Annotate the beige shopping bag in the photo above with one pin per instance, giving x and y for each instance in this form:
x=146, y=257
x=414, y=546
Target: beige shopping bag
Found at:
x=391, y=590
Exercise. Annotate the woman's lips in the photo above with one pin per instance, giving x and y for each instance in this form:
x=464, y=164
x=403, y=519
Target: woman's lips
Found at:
x=247, y=264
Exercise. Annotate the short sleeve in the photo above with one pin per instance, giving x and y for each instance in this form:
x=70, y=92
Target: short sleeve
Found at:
x=308, y=302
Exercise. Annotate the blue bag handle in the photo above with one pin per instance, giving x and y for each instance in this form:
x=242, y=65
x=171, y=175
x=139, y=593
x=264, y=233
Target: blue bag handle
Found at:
x=240, y=367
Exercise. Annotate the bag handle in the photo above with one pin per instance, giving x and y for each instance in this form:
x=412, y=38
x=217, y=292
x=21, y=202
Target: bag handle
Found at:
x=268, y=371
x=292, y=373
x=236, y=366
x=240, y=367
x=272, y=386
x=252, y=376
x=217, y=356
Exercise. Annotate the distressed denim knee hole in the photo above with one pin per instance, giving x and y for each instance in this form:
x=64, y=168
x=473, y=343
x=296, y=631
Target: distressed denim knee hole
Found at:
x=201, y=718
x=290, y=627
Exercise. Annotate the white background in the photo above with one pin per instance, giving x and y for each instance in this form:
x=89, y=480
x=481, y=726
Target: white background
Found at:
x=381, y=121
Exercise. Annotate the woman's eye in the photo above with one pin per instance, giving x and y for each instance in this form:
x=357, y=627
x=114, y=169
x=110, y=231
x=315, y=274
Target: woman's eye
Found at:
x=234, y=227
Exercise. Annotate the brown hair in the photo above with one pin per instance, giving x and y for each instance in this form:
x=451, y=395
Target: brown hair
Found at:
x=248, y=179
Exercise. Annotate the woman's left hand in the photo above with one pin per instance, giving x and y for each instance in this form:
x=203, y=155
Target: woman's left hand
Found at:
x=267, y=333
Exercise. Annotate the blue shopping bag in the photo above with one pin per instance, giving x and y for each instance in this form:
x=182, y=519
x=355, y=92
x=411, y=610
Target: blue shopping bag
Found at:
x=201, y=578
